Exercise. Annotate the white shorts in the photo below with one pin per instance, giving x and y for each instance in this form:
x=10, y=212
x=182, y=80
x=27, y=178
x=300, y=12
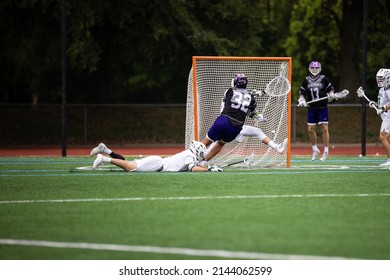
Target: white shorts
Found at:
x=250, y=131
x=385, y=126
x=149, y=164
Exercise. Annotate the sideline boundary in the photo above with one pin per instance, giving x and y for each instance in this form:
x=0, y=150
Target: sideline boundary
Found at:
x=271, y=196
x=163, y=250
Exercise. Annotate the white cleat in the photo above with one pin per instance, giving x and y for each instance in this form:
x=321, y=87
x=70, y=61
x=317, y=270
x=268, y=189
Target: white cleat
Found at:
x=315, y=154
x=324, y=157
x=98, y=150
x=98, y=161
x=385, y=164
x=282, y=147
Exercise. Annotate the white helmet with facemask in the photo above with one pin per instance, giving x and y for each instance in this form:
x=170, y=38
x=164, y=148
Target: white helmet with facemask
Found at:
x=383, y=78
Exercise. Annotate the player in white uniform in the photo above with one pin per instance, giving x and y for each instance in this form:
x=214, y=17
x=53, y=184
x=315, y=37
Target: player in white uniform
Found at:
x=187, y=160
x=383, y=105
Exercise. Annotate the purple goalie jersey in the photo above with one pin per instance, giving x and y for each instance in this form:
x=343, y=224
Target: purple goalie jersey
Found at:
x=237, y=103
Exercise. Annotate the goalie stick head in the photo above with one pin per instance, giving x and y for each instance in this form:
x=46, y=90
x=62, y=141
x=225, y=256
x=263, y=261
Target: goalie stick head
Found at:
x=198, y=149
x=240, y=81
x=315, y=68
x=278, y=86
x=383, y=78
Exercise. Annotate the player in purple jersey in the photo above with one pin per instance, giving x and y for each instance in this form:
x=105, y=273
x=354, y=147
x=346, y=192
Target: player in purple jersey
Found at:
x=237, y=104
x=316, y=86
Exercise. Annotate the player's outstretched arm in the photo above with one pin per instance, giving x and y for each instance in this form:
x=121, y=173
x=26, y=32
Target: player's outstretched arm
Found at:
x=204, y=168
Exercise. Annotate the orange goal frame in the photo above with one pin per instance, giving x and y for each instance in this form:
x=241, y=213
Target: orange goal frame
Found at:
x=195, y=92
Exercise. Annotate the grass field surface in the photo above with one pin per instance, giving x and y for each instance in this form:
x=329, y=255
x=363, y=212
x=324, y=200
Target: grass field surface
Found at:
x=51, y=209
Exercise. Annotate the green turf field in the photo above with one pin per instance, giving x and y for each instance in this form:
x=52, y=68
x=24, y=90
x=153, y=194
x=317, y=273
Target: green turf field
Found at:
x=49, y=209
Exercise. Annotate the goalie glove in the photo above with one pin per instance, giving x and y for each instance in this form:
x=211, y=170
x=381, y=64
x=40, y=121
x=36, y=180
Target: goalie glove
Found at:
x=259, y=117
x=259, y=93
x=302, y=102
x=214, y=168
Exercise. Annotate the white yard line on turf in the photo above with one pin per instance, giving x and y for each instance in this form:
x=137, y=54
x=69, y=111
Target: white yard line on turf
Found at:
x=270, y=196
x=163, y=250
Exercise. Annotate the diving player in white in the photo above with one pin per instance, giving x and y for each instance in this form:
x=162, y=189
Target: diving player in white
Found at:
x=187, y=160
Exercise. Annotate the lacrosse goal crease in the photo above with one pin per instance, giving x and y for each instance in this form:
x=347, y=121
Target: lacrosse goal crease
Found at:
x=337, y=95
x=268, y=81
x=372, y=104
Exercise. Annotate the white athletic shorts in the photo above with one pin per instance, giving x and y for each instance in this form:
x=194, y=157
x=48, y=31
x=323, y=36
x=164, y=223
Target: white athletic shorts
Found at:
x=149, y=164
x=385, y=126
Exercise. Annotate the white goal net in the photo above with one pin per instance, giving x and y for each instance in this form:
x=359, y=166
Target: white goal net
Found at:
x=210, y=77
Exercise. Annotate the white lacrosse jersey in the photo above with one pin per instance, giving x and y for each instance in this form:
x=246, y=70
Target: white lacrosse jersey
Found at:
x=383, y=99
x=178, y=162
x=149, y=164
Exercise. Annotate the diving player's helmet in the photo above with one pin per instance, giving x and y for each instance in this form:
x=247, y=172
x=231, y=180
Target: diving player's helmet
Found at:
x=239, y=81
x=315, y=68
x=383, y=78
x=198, y=149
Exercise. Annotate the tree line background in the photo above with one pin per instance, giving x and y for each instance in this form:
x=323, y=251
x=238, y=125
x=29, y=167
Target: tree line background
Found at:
x=140, y=51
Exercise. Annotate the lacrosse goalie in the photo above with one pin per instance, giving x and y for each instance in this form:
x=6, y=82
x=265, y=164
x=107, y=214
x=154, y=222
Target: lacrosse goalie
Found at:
x=317, y=91
x=382, y=108
x=236, y=105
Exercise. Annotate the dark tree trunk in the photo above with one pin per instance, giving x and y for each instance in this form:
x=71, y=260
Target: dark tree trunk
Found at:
x=351, y=44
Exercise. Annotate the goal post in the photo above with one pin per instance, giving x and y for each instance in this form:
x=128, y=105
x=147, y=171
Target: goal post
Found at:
x=210, y=77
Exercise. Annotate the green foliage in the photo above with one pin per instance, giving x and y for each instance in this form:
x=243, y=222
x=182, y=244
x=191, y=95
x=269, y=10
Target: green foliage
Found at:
x=378, y=55
x=314, y=35
x=140, y=50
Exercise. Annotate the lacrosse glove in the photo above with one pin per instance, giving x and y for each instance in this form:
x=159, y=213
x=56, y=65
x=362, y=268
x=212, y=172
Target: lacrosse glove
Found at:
x=258, y=93
x=302, y=102
x=331, y=96
x=256, y=116
x=381, y=110
x=215, y=168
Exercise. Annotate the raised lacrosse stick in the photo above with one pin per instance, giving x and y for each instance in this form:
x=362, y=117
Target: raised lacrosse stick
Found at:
x=360, y=93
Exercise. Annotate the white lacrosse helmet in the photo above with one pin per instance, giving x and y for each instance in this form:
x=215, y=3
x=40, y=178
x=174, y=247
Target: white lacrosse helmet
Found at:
x=198, y=149
x=383, y=78
x=315, y=68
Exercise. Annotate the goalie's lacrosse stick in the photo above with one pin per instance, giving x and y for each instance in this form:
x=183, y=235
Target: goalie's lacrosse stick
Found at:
x=337, y=95
x=360, y=93
x=278, y=86
x=247, y=160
